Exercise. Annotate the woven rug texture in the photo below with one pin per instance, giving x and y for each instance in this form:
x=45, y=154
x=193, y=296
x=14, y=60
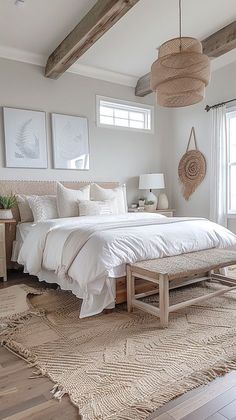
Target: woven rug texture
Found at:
x=121, y=366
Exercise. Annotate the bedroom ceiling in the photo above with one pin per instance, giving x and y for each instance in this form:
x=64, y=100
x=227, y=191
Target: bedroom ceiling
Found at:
x=30, y=32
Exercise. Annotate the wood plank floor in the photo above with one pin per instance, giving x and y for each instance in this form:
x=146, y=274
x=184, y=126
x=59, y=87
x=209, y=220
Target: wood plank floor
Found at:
x=24, y=398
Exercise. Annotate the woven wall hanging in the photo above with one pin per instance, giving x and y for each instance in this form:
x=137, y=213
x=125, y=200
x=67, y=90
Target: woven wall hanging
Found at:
x=192, y=168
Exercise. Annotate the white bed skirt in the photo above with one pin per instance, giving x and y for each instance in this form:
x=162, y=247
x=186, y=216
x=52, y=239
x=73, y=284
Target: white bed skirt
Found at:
x=105, y=300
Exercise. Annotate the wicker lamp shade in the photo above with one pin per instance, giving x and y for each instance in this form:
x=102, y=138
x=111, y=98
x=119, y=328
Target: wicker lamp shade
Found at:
x=181, y=73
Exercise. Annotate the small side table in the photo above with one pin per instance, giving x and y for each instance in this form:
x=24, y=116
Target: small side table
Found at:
x=3, y=260
x=167, y=212
x=7, y=236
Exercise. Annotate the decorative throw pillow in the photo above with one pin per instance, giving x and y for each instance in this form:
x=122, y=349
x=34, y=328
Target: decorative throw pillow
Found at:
x=67, y=200
x=118, y=194
x=26, y=214
x=95, y=208
x=43, y=207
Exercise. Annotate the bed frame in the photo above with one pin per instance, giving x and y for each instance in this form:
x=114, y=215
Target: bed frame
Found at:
x=49, y=187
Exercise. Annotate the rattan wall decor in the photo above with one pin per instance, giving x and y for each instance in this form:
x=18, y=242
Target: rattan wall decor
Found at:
x=192, y=168
x=181, y=72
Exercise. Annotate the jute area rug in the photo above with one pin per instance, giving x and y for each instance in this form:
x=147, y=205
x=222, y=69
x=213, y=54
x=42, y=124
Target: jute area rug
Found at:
x=122, y=366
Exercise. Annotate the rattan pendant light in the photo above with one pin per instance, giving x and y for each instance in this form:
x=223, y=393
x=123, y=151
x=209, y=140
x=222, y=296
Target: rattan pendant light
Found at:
x=181, y=72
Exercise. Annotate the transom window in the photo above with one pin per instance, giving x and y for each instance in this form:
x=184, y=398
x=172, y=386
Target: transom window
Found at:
x=122, y=114
x=231, y=135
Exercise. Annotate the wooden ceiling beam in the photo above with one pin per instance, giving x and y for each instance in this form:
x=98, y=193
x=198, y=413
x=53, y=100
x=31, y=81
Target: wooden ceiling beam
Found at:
x=221, y=41
x=103, y=15
x=214, y=46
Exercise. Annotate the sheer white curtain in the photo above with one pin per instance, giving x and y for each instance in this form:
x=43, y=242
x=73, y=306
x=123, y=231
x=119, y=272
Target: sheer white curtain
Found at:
x=218, y=170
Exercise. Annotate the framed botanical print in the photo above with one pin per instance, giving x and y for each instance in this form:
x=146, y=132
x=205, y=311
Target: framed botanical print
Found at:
x=70, y=142
x=25, y=138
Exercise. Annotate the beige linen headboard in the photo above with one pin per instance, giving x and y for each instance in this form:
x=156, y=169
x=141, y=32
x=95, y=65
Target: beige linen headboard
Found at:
x=42, y=188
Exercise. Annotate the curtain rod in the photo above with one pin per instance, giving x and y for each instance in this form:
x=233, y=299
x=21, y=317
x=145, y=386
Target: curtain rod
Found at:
x=219, y=104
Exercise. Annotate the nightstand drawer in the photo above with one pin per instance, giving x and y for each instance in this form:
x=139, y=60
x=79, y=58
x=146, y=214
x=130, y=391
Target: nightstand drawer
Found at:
x=2, y=267
x=8, y=231
x=2, y=249
x=167, y=213
x=2, y=232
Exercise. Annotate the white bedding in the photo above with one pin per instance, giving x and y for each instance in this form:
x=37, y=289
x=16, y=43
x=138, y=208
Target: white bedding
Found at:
x=22, y=230
x=85, y=252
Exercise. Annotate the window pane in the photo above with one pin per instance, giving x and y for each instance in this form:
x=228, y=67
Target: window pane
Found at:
x=137, y=116
x=106, y=120
x=232, y=152
x=233, y=130
x=124, y=114
x=232, y=133
x=121, y=122
x=137, y=124
x=232, y=203
x=119, y=113
x=106, y=111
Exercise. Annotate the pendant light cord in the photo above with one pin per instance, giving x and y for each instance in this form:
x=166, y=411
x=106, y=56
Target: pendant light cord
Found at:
x=180, y=25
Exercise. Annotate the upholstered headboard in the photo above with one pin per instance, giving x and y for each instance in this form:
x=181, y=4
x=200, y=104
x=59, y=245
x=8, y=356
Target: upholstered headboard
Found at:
x=42, y=188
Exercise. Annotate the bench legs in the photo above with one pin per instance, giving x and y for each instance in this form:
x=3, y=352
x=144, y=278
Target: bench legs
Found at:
x=164, y=301
x=164, y=308
x=130, y=289
x=162, y=312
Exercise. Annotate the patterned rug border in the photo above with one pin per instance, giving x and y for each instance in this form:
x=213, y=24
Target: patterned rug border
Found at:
x=143, y=408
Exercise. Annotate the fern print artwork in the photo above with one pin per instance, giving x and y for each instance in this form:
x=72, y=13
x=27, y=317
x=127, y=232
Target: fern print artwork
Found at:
x=25, y=138
x=27, y=143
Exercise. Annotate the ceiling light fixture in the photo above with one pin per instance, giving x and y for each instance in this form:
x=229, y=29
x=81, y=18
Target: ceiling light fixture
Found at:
x=181, y=72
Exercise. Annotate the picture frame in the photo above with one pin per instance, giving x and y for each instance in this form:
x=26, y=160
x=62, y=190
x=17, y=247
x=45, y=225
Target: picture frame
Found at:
x=70, y=142
x=25, y=138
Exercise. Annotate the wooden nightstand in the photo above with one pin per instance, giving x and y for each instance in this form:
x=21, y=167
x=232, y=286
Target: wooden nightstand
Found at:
x=7, y=236
x=167, y=212
x=3, y=262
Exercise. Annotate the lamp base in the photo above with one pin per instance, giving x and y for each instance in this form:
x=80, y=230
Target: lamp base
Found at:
x=152, y=197
x=163, y=202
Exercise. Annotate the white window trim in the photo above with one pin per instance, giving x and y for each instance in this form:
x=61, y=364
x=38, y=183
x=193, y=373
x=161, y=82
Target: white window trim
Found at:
x=128, y=103
x=231, y=214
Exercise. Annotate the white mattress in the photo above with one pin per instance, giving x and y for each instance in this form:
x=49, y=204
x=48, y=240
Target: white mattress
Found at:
x=22, y=230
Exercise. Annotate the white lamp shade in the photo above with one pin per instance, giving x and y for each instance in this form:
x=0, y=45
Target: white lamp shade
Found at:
x=151, y=182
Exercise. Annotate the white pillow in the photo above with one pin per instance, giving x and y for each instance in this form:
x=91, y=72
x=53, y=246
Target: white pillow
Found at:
x=95, y=208
x=25, y=211
x=118, y=194
x=43, y=207
x=67, y=200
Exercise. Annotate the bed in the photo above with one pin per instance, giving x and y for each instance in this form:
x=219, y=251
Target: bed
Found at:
x=88, y=255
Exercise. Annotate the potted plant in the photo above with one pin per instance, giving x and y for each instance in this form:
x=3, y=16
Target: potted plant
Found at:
x=7, y=203
x=150, y=206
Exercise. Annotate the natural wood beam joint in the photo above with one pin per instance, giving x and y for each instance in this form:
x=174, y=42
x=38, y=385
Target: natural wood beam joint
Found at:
x=221, y=41
x=103, y=15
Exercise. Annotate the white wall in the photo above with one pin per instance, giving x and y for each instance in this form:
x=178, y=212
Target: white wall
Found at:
x=178, y=124
x=115, y=155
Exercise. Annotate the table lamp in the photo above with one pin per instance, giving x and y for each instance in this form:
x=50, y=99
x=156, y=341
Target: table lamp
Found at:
x=151, y=182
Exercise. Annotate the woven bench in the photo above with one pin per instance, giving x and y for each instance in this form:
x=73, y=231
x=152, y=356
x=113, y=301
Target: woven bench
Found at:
x=194, y=267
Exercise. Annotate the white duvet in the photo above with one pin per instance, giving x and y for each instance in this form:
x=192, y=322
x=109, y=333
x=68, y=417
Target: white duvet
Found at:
x=86, y=252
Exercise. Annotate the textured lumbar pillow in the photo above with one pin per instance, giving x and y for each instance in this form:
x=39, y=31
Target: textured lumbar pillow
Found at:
x=43, y=207
x=26, y=214
x=95, y=208
x=117, y=194
x=67, y=200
